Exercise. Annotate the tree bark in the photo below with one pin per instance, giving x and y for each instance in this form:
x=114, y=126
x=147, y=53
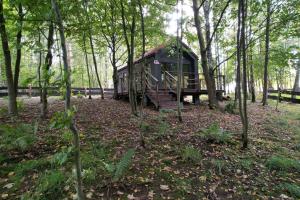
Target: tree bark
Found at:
x=19, y=48
x=252, y=83
x=93, y=51
x=129, y=40
x=179, y=61
x=296, y=87
x=244, y=82
x=12, y=96
x=87, y=65
x=67, y=74
x=46, y=70
x=39, y=69
x=265, y=86
x=208, y=73
x=95, y=65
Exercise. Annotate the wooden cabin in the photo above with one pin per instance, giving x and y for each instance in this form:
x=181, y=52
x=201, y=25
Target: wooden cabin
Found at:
x=160, y=77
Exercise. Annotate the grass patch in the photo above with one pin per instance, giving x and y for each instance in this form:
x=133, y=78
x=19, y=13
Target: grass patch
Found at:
x=218, y=165
x=21, y=137
x=215, y=134
x=190, y=153
x=281, y=163
x=291, y=189
x=49, y=186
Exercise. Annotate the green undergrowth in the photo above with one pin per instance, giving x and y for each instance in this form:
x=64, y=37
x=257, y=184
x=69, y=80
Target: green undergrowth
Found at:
x=215, y=134
x=19, y=137
x=281, y=163
x=291, y=189
x=191, y=154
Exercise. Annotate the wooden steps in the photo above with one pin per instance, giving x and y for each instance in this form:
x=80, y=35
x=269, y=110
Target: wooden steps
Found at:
x=162, y=99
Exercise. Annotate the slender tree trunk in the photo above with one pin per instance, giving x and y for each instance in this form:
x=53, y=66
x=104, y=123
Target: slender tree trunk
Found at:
x=296, y=87
x=46, y=70
x=114, y=65
x=12, y=96
x=39, y=69
x=93, y=51
x=19, y=48
x=252, y=83
x=95, y=65
x=265, y=87
x=59, y=57
x=142, y=140
x=238, y=67
x=206, y=10
x=244, y=82
x=130, y=52
x=67, y=73
x=179, y=61
x=87, y=65
x=208, y=73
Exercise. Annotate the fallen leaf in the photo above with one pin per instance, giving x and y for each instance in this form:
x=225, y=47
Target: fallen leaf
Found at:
x=164, y=187
x=9, y=185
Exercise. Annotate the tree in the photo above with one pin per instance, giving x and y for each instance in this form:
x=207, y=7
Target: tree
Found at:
x=12, y=95
x=87, y=64
x=92, y=48
x=179, y=60
x=67, y=74
x=46, y=70
x=130, y=44
x=267, y=45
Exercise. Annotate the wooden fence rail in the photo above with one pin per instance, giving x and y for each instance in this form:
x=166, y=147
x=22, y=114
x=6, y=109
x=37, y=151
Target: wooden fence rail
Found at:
x=53, y=91
x=292, y=95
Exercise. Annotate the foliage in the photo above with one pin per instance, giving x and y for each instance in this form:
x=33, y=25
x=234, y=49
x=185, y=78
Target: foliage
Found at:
x=62, y=120
x=215, y=134
x=21, y=137
x=49, y=186
x=79, y=95
x=230, y=107
x=61, y=157
x=145, y=127
x=281, y=163
x=218, y=165
x=189, y=153
x=292, y=189
x=118, y=170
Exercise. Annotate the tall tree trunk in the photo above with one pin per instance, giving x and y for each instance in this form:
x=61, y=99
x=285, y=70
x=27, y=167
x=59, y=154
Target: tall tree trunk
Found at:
x=87, y=65
x=252, y=83
x=39, y=69
x=12, y=96
x=129, y=39
x=142, y=140
x=208, y=73
x=244, y=81
x=67, y=74
x=46, y=70
x=206, y=10
x=238, y=67
x=19, y=48
x=296, y=87
x=95, y=65
x=179, y=61
x=114, y=65
x=93, y=51
x=265, y=87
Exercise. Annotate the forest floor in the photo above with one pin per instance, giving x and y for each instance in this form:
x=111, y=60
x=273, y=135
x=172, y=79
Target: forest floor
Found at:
x=200, y=158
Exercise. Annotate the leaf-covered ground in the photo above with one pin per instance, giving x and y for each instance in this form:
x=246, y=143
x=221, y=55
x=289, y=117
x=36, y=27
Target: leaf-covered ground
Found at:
x=200, y=158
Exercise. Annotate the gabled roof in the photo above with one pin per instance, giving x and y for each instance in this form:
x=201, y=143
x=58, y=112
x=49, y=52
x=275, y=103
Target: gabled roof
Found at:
x=155, y=50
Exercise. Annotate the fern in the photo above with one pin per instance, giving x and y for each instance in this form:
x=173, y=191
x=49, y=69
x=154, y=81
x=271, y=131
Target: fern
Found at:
x=117, y=171
x=123, y=165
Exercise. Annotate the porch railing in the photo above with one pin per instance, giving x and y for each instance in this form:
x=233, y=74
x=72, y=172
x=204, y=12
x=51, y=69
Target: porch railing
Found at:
x=152, y=84
x=189, y=81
